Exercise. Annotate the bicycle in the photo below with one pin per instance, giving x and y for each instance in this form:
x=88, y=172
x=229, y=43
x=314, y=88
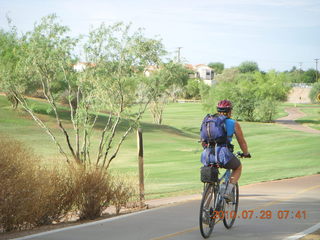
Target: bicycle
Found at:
x=214, y=207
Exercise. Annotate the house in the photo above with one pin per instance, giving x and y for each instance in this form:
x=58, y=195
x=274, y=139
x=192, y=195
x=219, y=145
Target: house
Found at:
x=200, y=71
x=80, y=66
x=192, y=70
x=149, y=70
x=203, y=72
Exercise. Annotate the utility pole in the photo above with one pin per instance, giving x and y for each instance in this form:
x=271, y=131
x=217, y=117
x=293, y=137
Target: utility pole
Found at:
x=179, y=48
x=300, y=68
x=317, y=59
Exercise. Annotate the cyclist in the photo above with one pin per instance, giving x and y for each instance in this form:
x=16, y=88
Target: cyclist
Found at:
x=224, y=107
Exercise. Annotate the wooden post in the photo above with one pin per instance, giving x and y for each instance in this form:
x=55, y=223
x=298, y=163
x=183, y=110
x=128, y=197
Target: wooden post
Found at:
x=141, y=173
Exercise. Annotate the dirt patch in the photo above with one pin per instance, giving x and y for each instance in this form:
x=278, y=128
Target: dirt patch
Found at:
x=312, y=236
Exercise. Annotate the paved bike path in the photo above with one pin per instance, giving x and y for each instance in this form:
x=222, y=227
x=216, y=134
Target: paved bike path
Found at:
x=180, y=221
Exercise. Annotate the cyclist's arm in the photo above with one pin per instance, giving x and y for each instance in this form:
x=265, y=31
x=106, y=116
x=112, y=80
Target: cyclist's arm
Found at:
x=240, y=138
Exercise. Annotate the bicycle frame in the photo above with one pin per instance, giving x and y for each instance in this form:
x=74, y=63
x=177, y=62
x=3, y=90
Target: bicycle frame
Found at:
x=215, y=202
x=220, y=201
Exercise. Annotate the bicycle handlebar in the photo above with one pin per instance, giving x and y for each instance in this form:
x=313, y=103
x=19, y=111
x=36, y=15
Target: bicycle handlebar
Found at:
x=242, y=155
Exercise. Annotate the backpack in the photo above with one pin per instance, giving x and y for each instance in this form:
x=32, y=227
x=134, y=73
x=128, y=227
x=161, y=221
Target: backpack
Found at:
x=216, y=155
x=213, y=129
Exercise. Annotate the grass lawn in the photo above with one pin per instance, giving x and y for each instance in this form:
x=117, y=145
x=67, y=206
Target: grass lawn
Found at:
x=313, y=116
x=172, y=153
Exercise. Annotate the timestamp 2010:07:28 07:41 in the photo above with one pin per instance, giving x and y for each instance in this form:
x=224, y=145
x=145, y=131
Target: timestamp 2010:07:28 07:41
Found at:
x=262, y=214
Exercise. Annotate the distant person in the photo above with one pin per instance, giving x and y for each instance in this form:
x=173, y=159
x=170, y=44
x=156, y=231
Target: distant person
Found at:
x=230, y=126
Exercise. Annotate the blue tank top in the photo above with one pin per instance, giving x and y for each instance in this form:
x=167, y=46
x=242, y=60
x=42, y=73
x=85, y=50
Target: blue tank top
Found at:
x=230, y=126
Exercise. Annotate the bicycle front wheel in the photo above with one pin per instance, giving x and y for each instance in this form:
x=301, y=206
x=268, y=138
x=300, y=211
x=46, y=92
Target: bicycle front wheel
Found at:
x=206, y=220
x=231, y=208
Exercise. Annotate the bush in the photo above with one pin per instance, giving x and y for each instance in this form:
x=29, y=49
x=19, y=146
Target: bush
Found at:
x=56, y=193
x=248, y=66
x=255, y=96
x=266, y=110
x=123, y=191
x=30, y=195
x=315, y=91
x=18, y=185
x=94, y=191
x=192, y=89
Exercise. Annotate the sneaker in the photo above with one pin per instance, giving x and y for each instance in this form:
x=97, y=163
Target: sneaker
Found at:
x=229, y=197
x=229, y=194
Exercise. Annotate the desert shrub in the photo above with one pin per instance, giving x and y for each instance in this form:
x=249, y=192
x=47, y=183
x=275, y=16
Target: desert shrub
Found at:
x=17, y=186
x=124, y=190
x=33, y=195
x=94, y=191
x=56, y=195
x=30, y=195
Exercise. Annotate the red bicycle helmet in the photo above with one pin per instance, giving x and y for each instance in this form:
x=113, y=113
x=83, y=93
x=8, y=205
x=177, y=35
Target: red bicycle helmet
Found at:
x=224, y=106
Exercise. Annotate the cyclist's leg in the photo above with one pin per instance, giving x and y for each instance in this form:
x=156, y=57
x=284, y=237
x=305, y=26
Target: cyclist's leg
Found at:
x=235, y=175
x=232, y=192
x=236, y=167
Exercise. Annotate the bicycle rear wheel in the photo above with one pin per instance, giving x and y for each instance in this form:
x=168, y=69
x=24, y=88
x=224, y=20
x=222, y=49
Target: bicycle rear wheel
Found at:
x=231, y=208
x=206, y=210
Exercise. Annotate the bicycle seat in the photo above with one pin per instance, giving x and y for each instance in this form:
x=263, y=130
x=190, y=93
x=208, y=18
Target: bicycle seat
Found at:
x=215, y=165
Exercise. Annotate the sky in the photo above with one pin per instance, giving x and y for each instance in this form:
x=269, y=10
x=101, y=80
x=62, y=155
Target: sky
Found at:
x=277, y=34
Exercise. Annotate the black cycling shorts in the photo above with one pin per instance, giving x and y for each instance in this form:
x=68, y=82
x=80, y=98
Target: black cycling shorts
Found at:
x=233, y=164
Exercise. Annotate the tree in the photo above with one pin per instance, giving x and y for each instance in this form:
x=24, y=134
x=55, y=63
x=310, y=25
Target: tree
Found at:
x=272, y=89
x=117, y=79
x=310, y=76
x=218, y=67
x=11, y=51
x=248, y=66
x=244, y=97
x=315, y=93
x=165, y=81
x=227, y=75
x=8, y=43
x=255, y=96
x=193, y=89
x=295, y=75
x=112, y=82
x=300, y=76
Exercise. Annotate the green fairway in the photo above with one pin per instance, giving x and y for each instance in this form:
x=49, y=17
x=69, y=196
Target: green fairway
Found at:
x=313, y=116
x=172, y=151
